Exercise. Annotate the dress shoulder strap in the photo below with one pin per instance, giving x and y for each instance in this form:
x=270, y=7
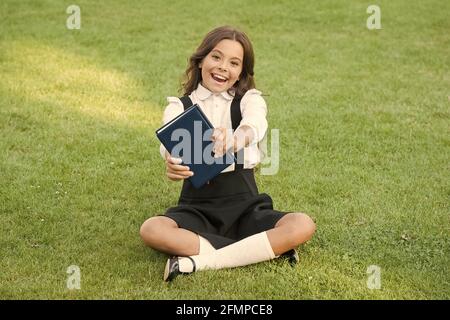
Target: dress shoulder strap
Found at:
x=187, y=102
x=236, y=117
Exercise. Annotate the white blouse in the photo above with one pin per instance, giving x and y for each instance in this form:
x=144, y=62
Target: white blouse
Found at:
x=217, y=108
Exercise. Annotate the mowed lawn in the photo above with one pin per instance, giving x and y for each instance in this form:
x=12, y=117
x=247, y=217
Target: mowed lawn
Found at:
x=363, y=119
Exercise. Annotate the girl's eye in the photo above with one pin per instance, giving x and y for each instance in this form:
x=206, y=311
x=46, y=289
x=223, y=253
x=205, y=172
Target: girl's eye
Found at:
x=234, y=63
x=215, y=57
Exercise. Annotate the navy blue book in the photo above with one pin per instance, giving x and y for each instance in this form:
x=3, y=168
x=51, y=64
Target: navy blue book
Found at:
x=188, y=136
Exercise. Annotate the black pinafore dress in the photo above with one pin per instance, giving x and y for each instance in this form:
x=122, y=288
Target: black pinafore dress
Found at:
x=229, y=207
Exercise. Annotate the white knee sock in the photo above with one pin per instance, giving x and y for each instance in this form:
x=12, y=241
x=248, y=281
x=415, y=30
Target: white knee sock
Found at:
x=253, y=249
x=205, y=246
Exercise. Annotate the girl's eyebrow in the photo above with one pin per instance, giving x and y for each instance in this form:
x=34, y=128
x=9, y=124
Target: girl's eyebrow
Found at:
x=223, y=54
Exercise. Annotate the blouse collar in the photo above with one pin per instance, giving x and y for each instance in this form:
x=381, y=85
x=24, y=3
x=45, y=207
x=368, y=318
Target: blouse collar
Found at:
x=203, y=93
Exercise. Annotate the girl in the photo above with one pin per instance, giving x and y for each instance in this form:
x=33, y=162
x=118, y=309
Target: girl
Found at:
x=227, y=222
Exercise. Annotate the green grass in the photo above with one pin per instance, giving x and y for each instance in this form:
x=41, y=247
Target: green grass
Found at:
x=364, y=129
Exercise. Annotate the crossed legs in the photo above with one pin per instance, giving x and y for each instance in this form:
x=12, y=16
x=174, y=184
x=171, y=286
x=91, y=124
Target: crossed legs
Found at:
x=163, y=234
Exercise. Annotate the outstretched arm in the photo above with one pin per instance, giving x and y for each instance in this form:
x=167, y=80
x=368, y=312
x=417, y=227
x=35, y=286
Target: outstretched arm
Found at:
x=224, y=140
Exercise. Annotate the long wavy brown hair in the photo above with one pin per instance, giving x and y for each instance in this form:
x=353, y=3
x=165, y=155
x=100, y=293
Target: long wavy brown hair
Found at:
x=193, y=75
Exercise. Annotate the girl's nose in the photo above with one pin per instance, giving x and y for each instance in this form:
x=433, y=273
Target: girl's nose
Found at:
x=222, y=67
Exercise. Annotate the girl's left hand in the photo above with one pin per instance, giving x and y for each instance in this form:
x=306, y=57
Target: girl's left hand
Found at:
x=223, y=140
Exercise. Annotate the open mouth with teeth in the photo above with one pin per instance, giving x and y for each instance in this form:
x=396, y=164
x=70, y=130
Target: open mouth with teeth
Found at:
x=218, y=78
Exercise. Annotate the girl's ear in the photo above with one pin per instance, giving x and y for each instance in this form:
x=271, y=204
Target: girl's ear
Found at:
x=200, y=65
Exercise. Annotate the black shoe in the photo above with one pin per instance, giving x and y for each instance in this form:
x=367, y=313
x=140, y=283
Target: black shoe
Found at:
x=291, y=256
x=173, y=268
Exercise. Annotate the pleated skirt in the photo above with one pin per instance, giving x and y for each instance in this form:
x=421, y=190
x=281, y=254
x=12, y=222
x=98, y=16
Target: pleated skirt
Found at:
x=227, y=209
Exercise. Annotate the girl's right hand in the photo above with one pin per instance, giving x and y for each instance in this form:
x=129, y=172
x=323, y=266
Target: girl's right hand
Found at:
x=175, y=171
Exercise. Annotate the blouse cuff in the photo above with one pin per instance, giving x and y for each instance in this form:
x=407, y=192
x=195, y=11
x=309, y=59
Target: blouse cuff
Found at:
x=255, y=138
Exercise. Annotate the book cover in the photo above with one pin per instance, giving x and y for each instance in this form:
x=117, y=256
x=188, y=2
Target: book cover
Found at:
x=188, y=136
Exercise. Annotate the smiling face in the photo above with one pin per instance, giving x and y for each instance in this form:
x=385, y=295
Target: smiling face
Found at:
x=222, y=66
